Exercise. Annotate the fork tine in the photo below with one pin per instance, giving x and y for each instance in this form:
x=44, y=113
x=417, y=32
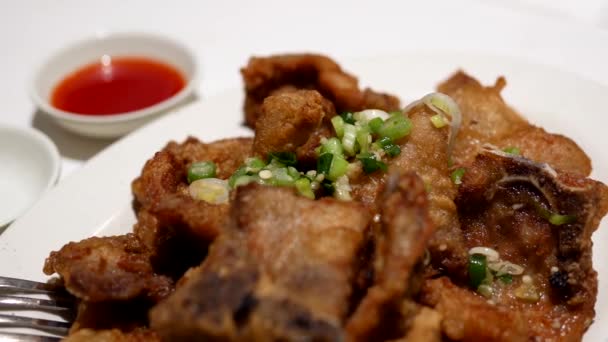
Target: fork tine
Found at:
x=23, y=303
x=28, y=286
x=14, y=337
x=53, y=327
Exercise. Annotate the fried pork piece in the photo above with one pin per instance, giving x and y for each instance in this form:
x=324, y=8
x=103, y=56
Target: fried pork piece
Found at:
x=162, y=187
x=282, y=271
x=405, y=230
x=486, y=118
x=265, y=76
x=108, y=268
x=113, y=335
x=509, y=204
x=424, y=151
x=293, y=122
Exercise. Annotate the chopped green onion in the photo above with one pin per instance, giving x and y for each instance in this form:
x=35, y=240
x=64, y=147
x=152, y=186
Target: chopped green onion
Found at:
x=333, y=146
x=363, y=139
x=338, y=124
x=254, y=164
x=485, y=290
x=396, y=127
x=389, y=147
x=477, y=269
x=200, y=170
x=211, y=190
x=342, y=189
x=241, y=171
x=375, y=124
x=438, y=121
x=392, y=150
x=303, y=187
x=338, y=168
x=512, y=150
x=558, y=220
x=286, y=158
x=349, y=138
x=395, y=113
x=243, y=180
x=370, y=164
x=280, y=177
x=553, y=218
x=293, y=172
x=457, y=175
x=505, y=278
x=348, y=118
x=324, y=163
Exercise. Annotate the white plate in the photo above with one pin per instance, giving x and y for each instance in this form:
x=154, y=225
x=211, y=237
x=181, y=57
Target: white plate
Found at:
x=96, y=199
x=29, y=166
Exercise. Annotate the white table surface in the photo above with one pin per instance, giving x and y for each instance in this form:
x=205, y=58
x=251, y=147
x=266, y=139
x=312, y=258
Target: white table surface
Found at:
x=225, y=33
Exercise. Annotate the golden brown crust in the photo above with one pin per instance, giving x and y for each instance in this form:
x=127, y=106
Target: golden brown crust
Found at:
x=288, y=120
x=112, y=268
x=486, y=118
x=264, y=76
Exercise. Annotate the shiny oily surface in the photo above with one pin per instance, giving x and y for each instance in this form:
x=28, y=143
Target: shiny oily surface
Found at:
x=116, y=85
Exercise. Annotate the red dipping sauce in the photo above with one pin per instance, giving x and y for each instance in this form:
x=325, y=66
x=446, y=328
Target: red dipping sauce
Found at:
x=117, y=85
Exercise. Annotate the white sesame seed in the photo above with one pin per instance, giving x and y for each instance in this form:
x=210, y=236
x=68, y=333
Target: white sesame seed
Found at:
x=491, y=302
x=517, y=206
x=443, y=247
x=526, y=279
x=554, y=269
x=265, y=174
x=377, y=218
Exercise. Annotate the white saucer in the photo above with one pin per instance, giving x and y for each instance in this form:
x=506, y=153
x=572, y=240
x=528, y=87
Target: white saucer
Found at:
x=30, y=165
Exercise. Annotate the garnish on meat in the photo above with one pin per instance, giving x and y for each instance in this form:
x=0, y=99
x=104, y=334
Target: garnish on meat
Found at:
x=349, y=218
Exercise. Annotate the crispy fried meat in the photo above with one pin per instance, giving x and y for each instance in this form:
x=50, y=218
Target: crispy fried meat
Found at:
x=486, y=118
x=510, y=204
x=265, y=76
x=113, y=335
x=108, y=268
x=401, y=242
x=424, y=152
x=293, y=122
x=283, y=271
x=161, y=189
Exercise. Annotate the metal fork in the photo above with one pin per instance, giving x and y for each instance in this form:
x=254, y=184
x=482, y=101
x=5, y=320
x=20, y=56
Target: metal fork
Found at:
x=59, y=302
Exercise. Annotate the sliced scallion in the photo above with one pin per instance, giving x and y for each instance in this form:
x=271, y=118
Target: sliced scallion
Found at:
x=396, y=127
x=200, y=170
x=324, y=163
x=370, y=163
x=303, y=187
x=438, y=121
x=285, y=158
x=338, y=168
x=333, y=146
x=348, y=118
x=512, y=150
x=241, y=171
x=338, y=124
x=375, y=124
x=477, y=269
x=349, y=139
x=457, y=175
x=363, y=139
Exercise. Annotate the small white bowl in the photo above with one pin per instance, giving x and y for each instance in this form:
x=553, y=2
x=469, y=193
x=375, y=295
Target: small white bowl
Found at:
x=68, y=60
x=30, y=166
